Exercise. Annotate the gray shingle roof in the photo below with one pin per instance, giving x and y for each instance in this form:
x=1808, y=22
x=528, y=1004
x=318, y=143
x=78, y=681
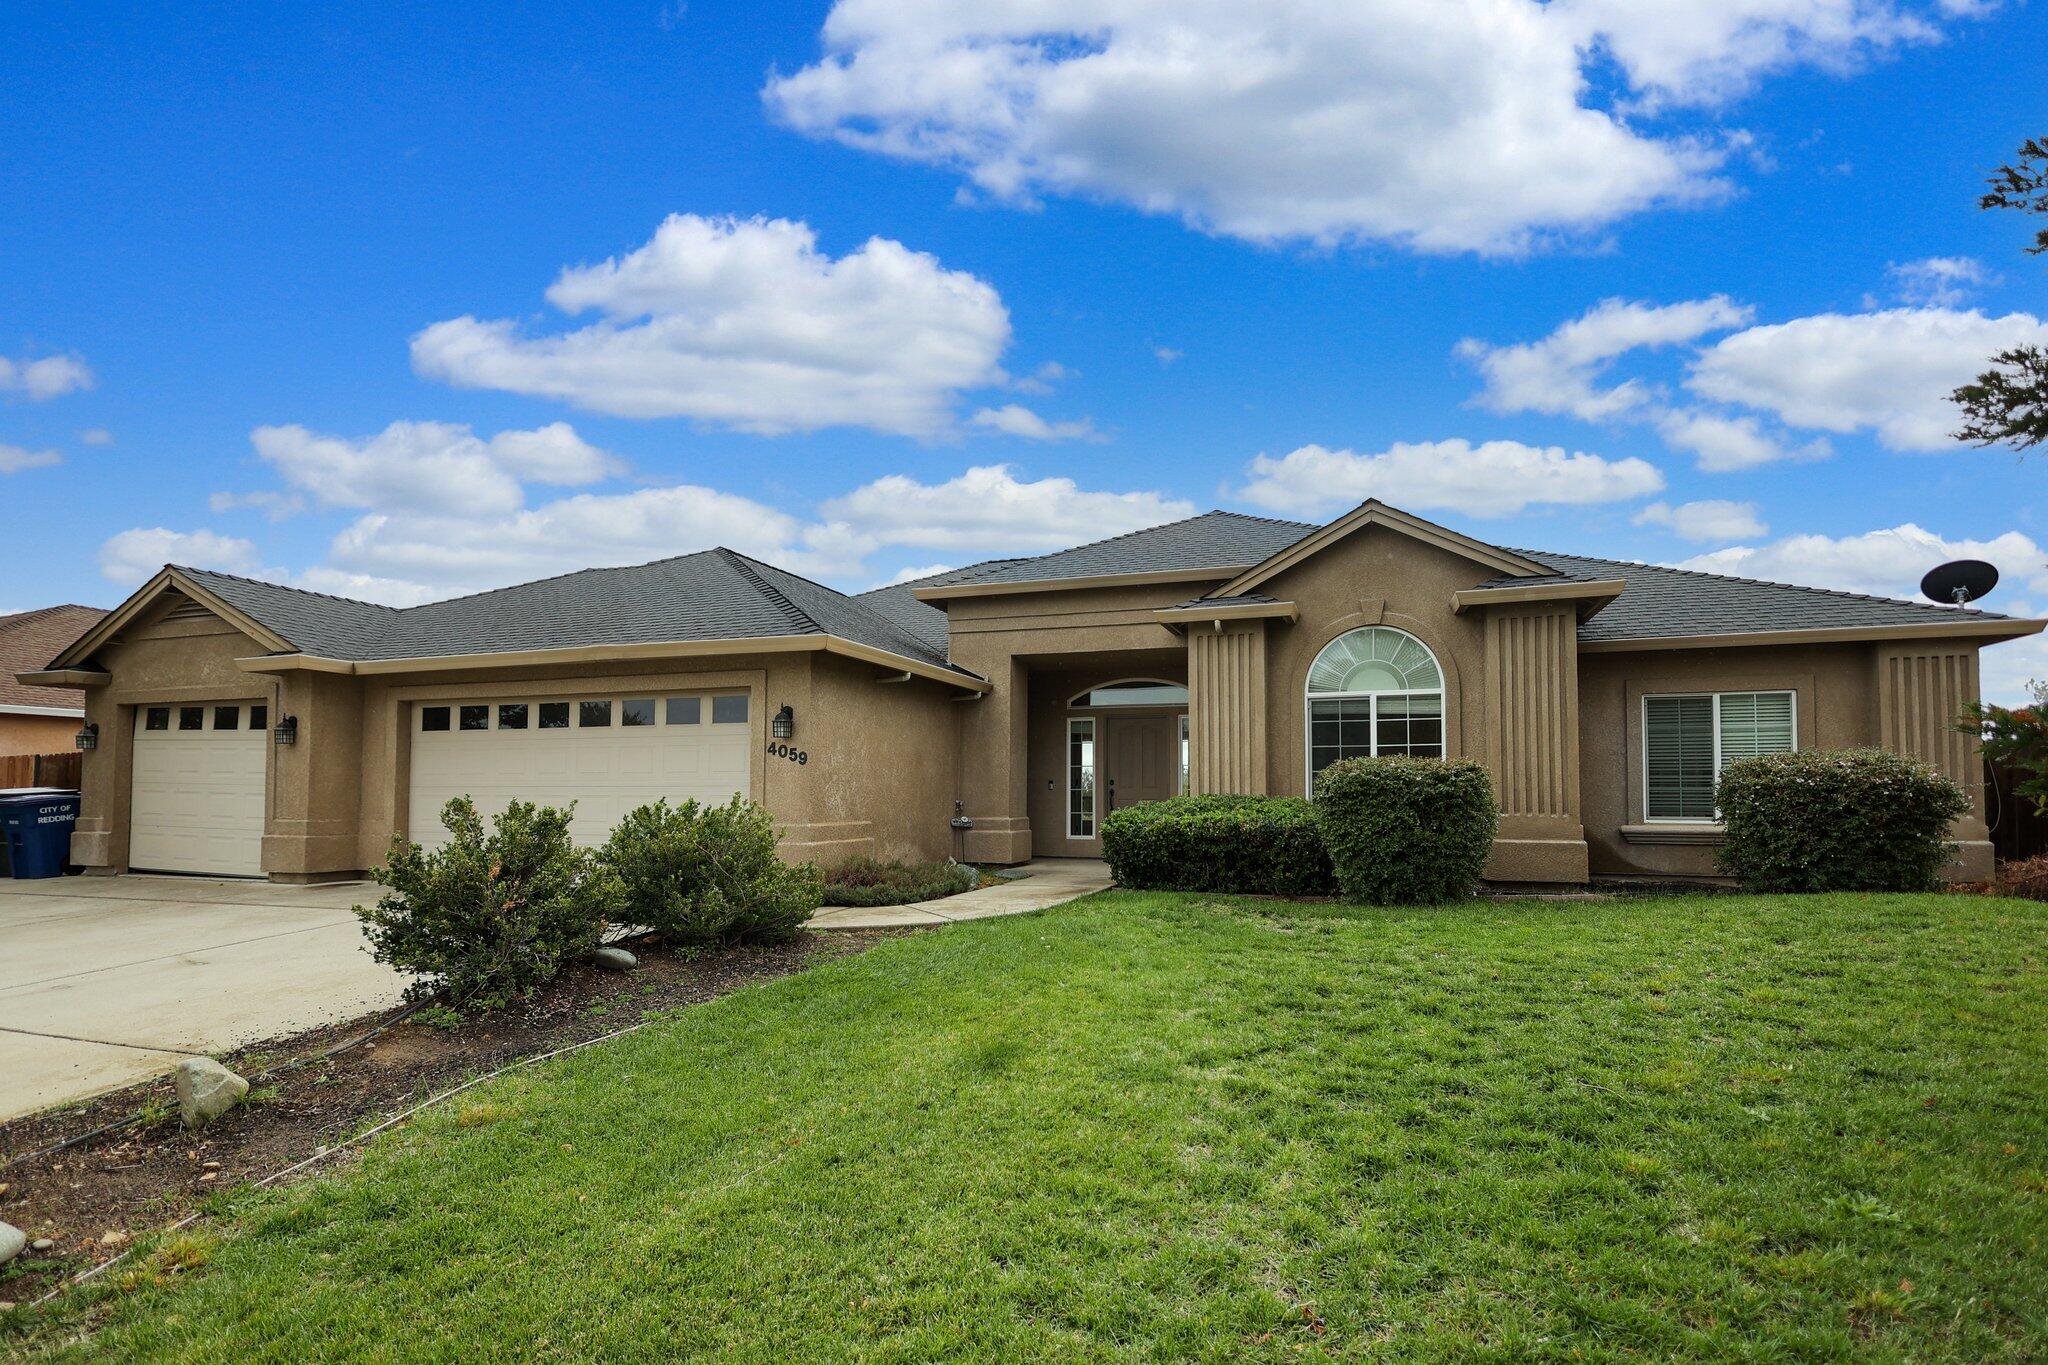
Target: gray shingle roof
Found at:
x=711, y=595
x=722, y=595
x=1214, y=540
x=1660, y=603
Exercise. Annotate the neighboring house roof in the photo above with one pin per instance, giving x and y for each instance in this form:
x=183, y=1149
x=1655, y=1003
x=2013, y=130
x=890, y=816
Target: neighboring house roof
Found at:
x=27, y=640
x=711, y=595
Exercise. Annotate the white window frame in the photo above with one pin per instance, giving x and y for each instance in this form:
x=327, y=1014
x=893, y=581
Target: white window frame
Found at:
x=1643, y=720
x=1309, y=699
x=1187, y=755
x=1074, y=725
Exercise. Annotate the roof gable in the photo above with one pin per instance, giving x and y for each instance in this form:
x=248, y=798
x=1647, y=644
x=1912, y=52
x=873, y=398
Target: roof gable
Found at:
x=1373, y=512
x=170, y=580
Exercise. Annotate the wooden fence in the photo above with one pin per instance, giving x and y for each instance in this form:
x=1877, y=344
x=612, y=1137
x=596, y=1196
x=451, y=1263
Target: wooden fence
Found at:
x=39, y=770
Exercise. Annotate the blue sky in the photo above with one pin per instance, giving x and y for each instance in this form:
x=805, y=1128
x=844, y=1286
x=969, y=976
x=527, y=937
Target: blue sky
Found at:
x=1270, y=258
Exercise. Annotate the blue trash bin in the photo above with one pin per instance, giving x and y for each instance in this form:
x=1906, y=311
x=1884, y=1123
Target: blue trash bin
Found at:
x=38, y=829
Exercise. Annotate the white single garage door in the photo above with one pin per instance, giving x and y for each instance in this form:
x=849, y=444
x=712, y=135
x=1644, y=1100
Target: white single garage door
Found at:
x=608, y=754
x=198, y=799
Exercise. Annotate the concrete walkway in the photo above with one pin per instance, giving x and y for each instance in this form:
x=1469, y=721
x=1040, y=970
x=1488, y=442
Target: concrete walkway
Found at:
x=106, y=981
x=1046, y=881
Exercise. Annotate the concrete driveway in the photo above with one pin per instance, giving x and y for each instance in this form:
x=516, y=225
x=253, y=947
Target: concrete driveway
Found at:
x=105, y=981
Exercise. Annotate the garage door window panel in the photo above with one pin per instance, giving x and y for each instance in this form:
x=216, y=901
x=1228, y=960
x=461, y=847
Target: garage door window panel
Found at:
x=259, y=718
x=433, y=719
x=191, y=718
x=157, y=718
x=607, y=755
x=475, y=717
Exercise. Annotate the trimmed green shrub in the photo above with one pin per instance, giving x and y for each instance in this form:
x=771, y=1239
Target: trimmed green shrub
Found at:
x=487, y=916
x=708, y=874
x=1406, y=831
x=1251, y=845
x=872, y=881
x=1836, y=820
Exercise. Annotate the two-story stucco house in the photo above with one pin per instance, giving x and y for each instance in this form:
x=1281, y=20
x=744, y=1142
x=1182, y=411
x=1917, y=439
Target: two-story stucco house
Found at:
x=998, y=712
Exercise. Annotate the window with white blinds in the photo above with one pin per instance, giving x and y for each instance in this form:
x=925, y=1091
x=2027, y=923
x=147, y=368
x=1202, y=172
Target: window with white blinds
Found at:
x=1689, y=740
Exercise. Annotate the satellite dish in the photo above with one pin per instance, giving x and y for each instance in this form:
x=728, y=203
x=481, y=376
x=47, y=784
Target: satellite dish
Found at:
x=1959, y=582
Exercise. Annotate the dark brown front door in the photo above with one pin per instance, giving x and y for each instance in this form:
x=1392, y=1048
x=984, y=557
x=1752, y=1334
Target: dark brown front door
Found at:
x=1140, y=759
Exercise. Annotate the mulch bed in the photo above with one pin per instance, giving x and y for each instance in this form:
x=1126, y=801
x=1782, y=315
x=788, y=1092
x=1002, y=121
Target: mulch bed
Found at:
x=91, y=1199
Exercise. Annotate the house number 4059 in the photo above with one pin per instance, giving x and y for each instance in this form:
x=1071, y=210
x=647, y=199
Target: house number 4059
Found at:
x=790, y=752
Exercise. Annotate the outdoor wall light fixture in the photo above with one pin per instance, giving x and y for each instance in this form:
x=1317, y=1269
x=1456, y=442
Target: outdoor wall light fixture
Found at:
x=286, y=731
x=89, y=737
x=784, y=724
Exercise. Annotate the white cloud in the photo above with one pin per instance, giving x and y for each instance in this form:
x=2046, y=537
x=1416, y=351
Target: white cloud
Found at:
x=1886, y=562
x=1722, y=443
x=745, y=323
x=1043, y=379
x=1556, y=374
x=417, y=554
x=915, y=572
x=989, y=511
x=273, y=504
x=1014, y=419
x=1447, y=125
x=1709, y=519
x=1936, y=281
x=1493, y=479
x=1166, y=355
x=132, y=556
x=1888, y=372
x=96, y=436
x=53, y=376
x=427, y=467
x=15, y=459
x=1690, y=53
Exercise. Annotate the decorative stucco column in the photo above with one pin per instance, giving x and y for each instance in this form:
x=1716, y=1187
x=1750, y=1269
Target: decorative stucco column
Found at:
x=1227, y=708
x=1532, y=742
x=1921, y=690
x=994, y=754
x=314, y=805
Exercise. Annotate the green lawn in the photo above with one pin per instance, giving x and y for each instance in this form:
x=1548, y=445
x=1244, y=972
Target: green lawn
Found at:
x=1163, y=1127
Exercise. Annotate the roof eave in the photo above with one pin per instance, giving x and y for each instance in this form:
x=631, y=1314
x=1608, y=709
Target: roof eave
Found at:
x=64, y=677
x=618, y=653
x=943, y=591
x=1989, y=632
x=1588, y=597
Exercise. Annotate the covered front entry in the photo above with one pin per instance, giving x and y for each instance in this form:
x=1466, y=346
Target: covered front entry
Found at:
x=198, y=788
x=1120, y=742
x=607, y=753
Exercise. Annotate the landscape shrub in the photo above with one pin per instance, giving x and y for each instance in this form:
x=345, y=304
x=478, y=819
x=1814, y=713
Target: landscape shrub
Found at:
x=1406, y=831
x=872, y=881
x=2026, y=878
x=1836, y=820
x=488, y=916
x=1249, y=845
x=708, y=874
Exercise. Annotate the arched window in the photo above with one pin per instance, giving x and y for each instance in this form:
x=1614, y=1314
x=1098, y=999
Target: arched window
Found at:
x=1374, y=691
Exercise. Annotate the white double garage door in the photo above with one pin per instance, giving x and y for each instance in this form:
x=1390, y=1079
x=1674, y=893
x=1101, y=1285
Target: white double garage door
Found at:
x=608, y=754
x=200, y=771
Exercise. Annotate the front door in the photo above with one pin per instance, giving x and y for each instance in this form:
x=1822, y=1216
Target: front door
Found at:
x=1140, y=759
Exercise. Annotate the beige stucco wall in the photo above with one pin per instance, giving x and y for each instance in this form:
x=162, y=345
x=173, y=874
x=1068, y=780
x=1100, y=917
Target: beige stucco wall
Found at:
x=878, y=775
x=37, y=734
x=1837, y=706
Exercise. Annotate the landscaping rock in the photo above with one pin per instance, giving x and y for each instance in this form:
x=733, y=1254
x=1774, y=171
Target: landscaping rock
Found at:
x=12, y=1240
x=613, y=960
x=42, y=1244
x=206, y=1090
